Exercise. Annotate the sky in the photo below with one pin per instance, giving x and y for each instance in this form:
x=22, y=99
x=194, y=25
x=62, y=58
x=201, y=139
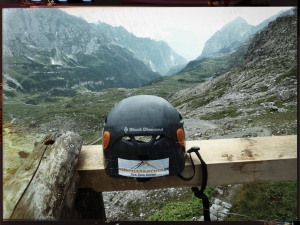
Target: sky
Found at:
x=185, y=29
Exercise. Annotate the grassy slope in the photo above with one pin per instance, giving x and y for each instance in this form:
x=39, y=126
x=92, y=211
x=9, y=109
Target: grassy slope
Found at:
x=272, y=201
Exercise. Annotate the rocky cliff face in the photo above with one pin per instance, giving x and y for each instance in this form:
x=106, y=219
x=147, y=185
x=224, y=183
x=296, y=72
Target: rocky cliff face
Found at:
x=48, y=29
x=227, y=39
x=157, y=55
x=230, y=37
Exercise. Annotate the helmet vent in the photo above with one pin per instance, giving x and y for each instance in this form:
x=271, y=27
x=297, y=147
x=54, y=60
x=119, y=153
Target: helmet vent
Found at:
x=145, y=139
x=126, y=138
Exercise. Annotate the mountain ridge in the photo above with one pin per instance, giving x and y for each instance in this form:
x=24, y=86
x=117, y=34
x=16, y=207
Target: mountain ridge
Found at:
x=259, y=77
x=157, y=55
x=231, y=36
x=49, y=41
x=226, y=39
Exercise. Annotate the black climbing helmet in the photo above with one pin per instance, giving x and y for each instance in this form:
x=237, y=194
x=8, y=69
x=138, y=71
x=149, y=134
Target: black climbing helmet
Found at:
x=143, y=137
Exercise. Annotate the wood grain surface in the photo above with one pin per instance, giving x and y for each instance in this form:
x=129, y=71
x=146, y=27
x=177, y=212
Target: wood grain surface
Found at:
x=229, y=161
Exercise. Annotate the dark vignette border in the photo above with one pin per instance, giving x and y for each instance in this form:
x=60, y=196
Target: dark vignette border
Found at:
x=202, y=3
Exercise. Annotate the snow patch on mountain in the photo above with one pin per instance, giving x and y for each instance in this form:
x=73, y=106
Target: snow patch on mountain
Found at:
x=8, y=78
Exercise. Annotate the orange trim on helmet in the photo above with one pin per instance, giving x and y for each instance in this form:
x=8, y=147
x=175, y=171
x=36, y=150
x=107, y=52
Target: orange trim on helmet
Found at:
x=105, y=139
x=180, y=137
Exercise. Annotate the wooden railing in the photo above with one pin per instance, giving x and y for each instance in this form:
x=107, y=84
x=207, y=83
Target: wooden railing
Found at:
x=229, y=161
x=46, y=185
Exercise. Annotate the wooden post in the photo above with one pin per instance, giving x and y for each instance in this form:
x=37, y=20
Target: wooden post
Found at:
x=89, y=204
x=229, y=161
x=45, y=186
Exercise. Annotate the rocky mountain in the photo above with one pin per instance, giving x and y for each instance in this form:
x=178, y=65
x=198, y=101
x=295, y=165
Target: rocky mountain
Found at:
x=50, y=51
x=226, y=48
x=258, y=95
x=227, y=39
x=263, y=84
x=157, y=55
x=230, y=37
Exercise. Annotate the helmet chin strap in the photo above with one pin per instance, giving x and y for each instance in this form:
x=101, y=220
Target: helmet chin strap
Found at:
x=199, y=193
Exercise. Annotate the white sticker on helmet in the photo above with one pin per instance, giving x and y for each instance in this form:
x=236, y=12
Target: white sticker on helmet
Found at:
x=145, y=168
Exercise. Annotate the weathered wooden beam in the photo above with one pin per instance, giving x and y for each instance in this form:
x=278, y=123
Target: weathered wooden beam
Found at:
x=229, y=161
x=45, y=186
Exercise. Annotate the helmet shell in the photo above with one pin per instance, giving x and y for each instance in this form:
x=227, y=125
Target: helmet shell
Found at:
x=147, y=116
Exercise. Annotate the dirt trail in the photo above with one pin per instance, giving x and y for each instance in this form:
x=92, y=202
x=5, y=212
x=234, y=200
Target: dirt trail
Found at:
x=194, y=126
